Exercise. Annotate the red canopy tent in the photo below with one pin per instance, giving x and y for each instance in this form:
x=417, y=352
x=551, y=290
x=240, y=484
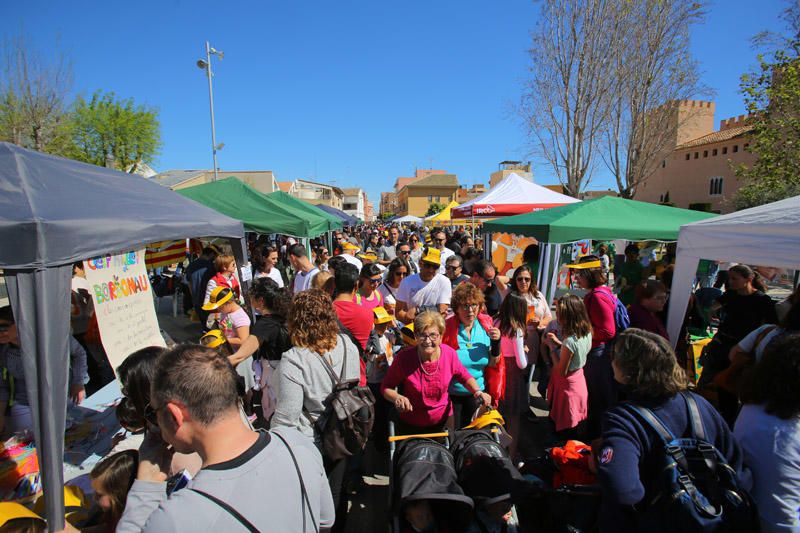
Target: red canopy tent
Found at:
x=512, y=196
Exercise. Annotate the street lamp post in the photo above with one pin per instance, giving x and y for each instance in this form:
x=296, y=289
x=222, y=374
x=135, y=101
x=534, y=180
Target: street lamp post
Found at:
x=205, y=64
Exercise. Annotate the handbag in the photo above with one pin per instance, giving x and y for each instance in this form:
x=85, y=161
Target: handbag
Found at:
x=495, y=380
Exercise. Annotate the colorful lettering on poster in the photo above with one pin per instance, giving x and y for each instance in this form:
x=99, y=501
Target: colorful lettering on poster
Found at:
x=122, y=261
x=120, y=288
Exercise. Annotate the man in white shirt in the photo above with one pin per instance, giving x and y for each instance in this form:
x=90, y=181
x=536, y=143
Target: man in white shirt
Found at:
x=424, y=291
x=349, y=251
x=438, y=238
x=304, y=269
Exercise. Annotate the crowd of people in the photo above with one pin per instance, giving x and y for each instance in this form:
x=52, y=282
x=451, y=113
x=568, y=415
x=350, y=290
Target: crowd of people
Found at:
x=435, y=331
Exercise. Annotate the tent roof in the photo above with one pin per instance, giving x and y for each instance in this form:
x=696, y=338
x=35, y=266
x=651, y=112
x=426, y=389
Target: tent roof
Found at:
x=257, y=211
x=512, y=196
x=602, y=218
x=348, y=220
x=55, y=211
x=444, y=214
x=407, y=218
x=286, y=200
x=764, y=235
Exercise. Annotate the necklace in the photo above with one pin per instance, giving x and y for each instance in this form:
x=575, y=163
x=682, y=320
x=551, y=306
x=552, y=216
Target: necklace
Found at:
x=422, y=366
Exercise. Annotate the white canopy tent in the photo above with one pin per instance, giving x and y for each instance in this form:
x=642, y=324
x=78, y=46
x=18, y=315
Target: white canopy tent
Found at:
x=409, y=219
x=768, y=235
x=514, y=195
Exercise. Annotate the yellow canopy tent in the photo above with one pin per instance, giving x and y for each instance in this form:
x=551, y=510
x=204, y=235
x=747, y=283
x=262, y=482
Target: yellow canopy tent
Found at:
x=442, y=218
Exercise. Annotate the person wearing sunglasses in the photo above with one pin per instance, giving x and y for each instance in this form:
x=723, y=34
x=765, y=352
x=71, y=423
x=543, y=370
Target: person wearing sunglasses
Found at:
x=404, y=252
x=369, y=280
x=438, y=240
x=485, y=277
x=416, y=247
x=398, y=270
x=427, y=290
x=387, y=253
x=454, y=270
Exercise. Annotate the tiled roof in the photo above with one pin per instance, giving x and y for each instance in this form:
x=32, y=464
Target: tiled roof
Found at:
x=285, y=185
x=717, y=136
x=436, y=180
x=402, y=182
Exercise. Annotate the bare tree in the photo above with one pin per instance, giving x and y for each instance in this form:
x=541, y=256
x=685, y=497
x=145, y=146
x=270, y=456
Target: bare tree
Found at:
x=652, y=72
x=32, y=96
x=566, y=102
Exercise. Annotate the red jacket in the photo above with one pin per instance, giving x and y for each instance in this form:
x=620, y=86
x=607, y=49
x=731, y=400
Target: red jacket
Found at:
x=451, y=328
x=222, y=281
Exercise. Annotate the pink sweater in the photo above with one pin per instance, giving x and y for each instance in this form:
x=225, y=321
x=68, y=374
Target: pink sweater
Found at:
x=600, y=308
x=426, y=392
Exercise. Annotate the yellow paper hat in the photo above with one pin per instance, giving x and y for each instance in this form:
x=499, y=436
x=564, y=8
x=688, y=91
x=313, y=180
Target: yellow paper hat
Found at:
x=381, y=315
x=432, y=255
x=218, y=296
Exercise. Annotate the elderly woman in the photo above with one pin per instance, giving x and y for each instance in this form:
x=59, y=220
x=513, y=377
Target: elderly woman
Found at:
x=423, y=373
x=304, y=382
x=471, y=333
x=645, y=366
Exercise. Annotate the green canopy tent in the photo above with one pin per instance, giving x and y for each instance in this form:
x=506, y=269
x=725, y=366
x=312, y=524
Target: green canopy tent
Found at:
x=289, y=201
x=605, y=218
x=258, y=212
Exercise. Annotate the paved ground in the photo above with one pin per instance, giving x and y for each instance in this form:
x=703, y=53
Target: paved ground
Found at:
x=368, y=510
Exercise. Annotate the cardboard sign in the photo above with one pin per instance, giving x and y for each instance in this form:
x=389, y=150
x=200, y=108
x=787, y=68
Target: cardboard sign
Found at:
x=123, y=303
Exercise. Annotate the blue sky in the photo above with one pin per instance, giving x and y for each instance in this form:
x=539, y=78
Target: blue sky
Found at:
x=359, y=92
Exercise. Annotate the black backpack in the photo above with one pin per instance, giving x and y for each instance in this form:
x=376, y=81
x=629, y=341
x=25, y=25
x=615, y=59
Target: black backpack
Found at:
x=349, y=413
x=696, y=490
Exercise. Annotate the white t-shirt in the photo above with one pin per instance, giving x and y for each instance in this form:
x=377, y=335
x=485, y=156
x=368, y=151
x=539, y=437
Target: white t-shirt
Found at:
x=446, y=252
x=273, y=274
x=353, y=261
x=389, y=294
x=417, y=293
x=302, y=280
x=748, y=344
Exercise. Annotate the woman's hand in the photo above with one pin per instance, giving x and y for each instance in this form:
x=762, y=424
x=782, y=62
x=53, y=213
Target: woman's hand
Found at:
x=494, y=334
x=403, y=404
x=552, y=338
x=483, y=398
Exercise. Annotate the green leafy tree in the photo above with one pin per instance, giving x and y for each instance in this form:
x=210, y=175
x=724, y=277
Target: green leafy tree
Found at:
x=109, y=130
x=434, y=208
x=772, y=97
x=386, y=216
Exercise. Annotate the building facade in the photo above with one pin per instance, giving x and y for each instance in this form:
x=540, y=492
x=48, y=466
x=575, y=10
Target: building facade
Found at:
x=261, y=180
x=415, y=198
x=698, y=172
x=317, y=193
x=504, y=168
x=463, y=194
x=353, y=203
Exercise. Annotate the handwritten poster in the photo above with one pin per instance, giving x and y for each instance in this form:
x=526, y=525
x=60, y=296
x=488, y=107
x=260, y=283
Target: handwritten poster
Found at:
x=507, y=250
x=123, y=303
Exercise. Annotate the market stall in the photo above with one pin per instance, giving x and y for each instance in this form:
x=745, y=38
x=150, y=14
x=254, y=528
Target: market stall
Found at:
x=443, y=217
x=767, y=235
x=288, y=201
x=53, y=212
x=347, y=220
x=606, y=218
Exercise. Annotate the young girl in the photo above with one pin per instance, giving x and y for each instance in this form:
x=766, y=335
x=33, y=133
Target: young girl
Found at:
x=112, y=478
x=566, y=391
x=512, y=325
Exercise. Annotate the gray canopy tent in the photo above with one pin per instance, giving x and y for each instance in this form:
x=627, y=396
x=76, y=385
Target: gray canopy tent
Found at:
x=53, y=212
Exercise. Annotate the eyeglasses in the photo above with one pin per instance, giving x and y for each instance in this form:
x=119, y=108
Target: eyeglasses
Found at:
x=151, y=414
x=488, y=281
x=438, y=240
x=452, y=267
x=405, y=252
x=414, y=240
x=375, y=281
x=403, y=273
x=470, y=306
x=430, y=336
x=426, y=264
x=523, y=280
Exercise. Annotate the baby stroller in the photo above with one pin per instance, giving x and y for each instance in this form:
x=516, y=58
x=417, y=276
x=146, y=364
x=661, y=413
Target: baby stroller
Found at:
x=424, y=490
x=562, y=496
x=467, y=486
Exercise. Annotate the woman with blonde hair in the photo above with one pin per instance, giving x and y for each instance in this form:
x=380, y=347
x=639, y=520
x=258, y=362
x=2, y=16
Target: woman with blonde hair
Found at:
x=423, y=373
x=304, y=380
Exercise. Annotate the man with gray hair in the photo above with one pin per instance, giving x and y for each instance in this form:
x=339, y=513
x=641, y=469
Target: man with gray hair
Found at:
x=453, y=269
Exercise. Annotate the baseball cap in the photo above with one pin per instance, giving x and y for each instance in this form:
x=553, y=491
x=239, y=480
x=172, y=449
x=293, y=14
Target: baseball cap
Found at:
x=381, y=315
x=219, y=296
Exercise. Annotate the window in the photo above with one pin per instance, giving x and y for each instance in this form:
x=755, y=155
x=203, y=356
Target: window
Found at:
x=430, y=198
x=688, y=156
x=714, y=151
x=664, y=163
x=715, y=186
x=438, y=199
x=724, y=150
x=705, y=153
x=735, y=148
x=696, y=155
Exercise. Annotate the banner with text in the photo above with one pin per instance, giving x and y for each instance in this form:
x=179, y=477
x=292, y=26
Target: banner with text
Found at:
x=123, y=303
